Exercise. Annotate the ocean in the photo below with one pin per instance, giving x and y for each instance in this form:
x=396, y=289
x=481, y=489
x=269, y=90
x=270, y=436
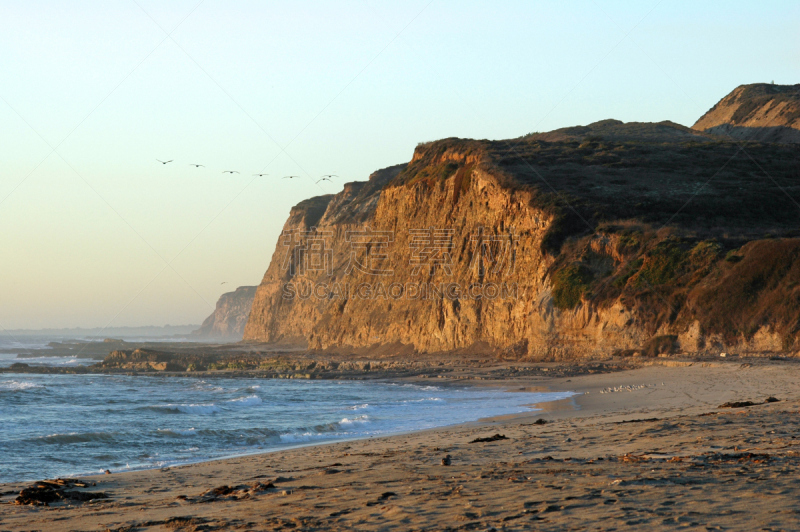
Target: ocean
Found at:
x=63, y=425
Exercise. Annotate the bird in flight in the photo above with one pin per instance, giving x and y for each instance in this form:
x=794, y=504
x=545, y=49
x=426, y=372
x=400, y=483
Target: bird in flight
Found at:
x=224, y=282
x=290, y=176
x=230, y=172
x=260, y=175
x=164, y=162
x=330, y=175
x=197, y=165
x=324, y=179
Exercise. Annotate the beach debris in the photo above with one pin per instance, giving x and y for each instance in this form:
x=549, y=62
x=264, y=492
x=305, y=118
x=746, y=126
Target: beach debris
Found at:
x=645, y=420
x=723, y=355
x=742, y=404
x=446, y=460
x=496, y=437
x=540, y=421
x=626, y=388
x=233, y=493
x=384, y=496
x=44, y=492
x=182, y=523
x=743, y=457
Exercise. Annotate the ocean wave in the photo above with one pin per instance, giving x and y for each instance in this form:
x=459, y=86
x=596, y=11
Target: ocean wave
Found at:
x=324, y=432
x=207, y=408
x=13, y=386
x=250, y=400
x=77, y=437
x=301, y=437
x=254, y=432
x=200, y=409
x=177, y=433
x=207, y=387
x=45, y=361
x=355, y=420
x=425, y=387
x=422, y=400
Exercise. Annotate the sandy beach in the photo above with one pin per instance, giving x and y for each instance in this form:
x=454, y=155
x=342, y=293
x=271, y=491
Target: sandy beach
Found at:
x=647, y=447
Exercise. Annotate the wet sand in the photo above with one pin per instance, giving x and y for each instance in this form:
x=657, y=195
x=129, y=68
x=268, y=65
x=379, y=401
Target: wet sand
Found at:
x=648, y=448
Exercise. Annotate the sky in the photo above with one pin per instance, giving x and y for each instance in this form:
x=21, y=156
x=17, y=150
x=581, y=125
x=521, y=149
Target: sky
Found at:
x=95, y=232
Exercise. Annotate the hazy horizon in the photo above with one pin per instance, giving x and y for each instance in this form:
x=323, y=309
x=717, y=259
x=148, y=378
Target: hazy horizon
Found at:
x=99, y=233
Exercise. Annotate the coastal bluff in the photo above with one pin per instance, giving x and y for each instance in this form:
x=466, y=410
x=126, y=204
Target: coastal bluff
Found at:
x=230, y=316
x=757, y=112
x=625, y=238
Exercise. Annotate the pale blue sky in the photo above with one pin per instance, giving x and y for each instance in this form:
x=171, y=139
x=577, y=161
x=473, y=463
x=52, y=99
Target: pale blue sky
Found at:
x=303, y=88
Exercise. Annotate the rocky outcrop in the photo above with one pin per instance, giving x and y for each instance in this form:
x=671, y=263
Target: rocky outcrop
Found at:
x=151, y=360
x=761, y=112
x=578, y=243
x=229, y=318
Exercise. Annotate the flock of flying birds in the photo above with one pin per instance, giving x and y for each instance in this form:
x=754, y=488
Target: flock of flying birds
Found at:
x=326, y=177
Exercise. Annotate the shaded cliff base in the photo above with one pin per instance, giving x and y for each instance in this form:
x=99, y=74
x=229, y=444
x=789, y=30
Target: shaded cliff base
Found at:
x=651, y=449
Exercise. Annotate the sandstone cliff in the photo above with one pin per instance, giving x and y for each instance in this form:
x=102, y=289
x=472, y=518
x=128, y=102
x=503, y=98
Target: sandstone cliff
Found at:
x=229, y=318
x=609, y=237
x=761, y=112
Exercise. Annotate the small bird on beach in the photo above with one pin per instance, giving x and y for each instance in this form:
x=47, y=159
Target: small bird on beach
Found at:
x=197, y=165
x=230, y=171
x=290, y=176
x=164, y=162
x=446, y=460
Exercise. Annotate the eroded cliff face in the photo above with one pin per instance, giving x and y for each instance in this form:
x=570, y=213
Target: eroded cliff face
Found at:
x=229, y=318
x=586, y=241
x=484, y=285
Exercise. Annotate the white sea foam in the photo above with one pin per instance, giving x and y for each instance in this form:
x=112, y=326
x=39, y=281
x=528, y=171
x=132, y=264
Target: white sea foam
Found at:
x=77, y=437
x=250, y=400
x=423, y=400
x=303, y=437
x=355, y=420
x=178, y=432
x=8, y=359
x=18, y=385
